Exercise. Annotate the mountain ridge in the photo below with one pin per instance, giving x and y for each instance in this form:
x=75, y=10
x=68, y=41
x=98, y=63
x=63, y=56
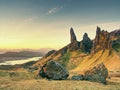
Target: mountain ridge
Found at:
x=79, y=56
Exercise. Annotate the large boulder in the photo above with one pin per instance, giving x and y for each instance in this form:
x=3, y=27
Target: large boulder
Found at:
x=53, y=70
x=98, y=73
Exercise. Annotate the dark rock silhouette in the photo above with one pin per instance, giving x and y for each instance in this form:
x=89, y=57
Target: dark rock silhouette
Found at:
x=86, y=44
x=98, y=73
x=53, y=70
x=73, y=36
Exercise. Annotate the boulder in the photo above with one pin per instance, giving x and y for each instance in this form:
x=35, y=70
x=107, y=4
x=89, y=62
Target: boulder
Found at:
x=78, y=77
x=98, y=73
x=53, y=70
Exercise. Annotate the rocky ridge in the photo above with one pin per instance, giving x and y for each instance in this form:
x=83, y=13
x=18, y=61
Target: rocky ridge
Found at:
x=87, y=53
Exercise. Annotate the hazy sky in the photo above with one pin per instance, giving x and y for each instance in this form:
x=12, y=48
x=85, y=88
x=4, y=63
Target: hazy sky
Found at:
x=45, y=23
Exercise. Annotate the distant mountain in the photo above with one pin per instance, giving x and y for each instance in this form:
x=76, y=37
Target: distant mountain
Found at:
x=19, y=55
x=79, y=56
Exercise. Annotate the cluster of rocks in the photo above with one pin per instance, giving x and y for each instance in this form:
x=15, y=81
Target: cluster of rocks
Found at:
x=98, y=73
x=54, y=71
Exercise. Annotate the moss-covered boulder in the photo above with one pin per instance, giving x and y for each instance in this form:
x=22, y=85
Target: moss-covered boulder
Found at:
x=53, y=70
x=98, y=73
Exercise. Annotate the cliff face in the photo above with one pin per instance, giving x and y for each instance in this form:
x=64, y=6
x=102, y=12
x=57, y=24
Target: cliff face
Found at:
x=115, y=34
x=102, y=40
x=86, y=44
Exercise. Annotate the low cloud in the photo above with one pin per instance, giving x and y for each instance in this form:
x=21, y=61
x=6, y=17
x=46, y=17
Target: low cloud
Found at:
x=54, y=10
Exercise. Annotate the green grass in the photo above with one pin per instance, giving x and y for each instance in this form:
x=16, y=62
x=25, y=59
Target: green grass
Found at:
x=64, y=59
x=116, y=47
x=16, y=76
x=4, y=74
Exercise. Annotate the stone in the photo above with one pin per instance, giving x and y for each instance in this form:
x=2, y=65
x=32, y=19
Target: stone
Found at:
x=54, y=71
x=115, y=34
x=86, y=44
x=98, y=73
x=73, y=36
x=77, y=77
x=101, y=41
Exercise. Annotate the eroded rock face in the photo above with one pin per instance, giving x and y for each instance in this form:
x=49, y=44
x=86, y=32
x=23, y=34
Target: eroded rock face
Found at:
x=73, y=36
x=98, y=73
x=86, y=44
x=115, y=34
x=53, y=70
x=101, y=41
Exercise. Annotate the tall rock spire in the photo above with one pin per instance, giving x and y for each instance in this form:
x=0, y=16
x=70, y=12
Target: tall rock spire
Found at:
x=73, y=36
x=86, y=43
x=101, y=41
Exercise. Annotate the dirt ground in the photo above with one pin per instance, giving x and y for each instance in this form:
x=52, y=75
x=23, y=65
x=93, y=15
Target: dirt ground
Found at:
x=43, y=84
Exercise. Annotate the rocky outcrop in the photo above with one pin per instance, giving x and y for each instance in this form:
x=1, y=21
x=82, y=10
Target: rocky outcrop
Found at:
x=101, y=41
x=50, y=53
x=73, y=36
x=53, y=70
x=98, y=73
x=74, y=45
x=115, y=34
x=86, y=44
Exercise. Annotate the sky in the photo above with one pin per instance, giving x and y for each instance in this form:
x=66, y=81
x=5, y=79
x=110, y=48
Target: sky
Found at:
x=39, y=24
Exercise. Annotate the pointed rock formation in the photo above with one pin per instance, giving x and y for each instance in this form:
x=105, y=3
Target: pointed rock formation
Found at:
x=86, y=43
x=73, y=36
x=101, y=41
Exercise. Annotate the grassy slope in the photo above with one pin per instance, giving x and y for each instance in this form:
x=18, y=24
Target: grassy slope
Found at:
x=109, y=58
x=24, y=81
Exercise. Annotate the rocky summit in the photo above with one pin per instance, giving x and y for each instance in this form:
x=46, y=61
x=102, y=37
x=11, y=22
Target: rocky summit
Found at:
x=53, y=70
x=73, y=36
x=86, y=44
x=102, y=40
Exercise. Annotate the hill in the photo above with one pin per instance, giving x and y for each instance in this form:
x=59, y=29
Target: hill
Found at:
x=19, y=55
x=79, y=56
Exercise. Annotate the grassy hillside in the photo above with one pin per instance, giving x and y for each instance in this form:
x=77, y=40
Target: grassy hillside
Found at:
x=25, y=81
x=109, y=57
